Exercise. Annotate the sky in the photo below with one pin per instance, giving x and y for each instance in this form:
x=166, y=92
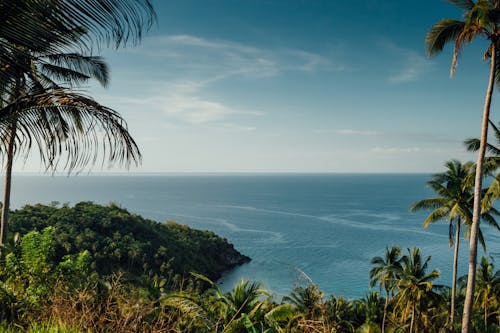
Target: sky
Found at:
x=295, y=86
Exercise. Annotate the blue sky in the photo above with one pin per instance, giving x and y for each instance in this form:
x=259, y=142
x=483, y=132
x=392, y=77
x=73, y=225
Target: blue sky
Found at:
x=296, y=86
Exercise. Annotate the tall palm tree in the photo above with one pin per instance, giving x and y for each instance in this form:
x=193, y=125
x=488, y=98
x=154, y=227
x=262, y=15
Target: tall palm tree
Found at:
x=453, y=203
x=65, y=124
x=30, y=27
x=60, y=117
x=414, y=286
x=480, y=19
x=384, y=273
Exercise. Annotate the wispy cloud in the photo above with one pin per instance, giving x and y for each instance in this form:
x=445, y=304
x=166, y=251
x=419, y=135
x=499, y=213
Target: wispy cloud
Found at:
x=412, y=64
x=395, y=150
x=223, y=58
x=347, y=131
x=186, y=70
x=187, y=108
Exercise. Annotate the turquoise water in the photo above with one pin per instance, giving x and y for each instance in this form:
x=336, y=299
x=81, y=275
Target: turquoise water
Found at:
x=325, y=227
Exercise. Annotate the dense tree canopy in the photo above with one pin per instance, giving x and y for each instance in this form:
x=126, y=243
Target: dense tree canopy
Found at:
x=120, y=241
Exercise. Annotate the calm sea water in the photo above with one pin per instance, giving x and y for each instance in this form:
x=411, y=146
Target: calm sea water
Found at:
x=325, y=226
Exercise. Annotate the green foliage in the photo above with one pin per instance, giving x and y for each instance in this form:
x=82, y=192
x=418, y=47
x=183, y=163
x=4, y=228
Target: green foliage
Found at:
x=110, y=239
x=30, y=271
x=52, y=279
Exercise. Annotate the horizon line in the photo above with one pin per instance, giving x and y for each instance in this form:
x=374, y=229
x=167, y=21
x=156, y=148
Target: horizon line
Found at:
x=214, y=173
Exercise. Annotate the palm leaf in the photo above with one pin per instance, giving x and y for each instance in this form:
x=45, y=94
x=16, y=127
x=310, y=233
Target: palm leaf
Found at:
x=188, y=305
x=109, y=20
x=462, y=4
x=90, y=66
x=68, y=76
x=430, y=203
x=72, y=126
x=441, y=33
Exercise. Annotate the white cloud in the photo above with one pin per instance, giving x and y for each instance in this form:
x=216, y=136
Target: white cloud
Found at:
x=183, y=105
x=186, y=69
x=238, y=128
x=415, y=65
x=395, y=150
x=358, y=132
x=223, y=59
x=347, y=131
x=412, y=64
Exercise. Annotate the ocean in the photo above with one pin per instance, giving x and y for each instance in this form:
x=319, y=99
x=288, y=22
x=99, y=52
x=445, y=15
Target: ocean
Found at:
x=295, y=227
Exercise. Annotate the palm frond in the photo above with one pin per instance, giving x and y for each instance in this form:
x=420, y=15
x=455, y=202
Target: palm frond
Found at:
x=430, y=203
x=119, y=21
x=441, y=33
x=441, y=213
x=90, y=66
x=49, y=26
x=462, y=4
x=490, y=220
x=72, y=127
x=188, y=305
x=61, y=74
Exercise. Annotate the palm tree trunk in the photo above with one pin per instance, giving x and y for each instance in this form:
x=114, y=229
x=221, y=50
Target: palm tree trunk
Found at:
x=8, y=181
x=412, y=318
x=486, y=319
x=454, y=279
x=385, y=310
x=469, y=295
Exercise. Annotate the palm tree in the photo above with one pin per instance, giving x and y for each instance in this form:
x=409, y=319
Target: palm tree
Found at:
x=369, y=307
x=384, y=273
x=341, y=314
x=491, y=165
x=29, y=27
x=488, y=289
x=414, y=286
x=235, y=311
x=481, y=19
x=308, y=300
x=61, y=117
x=453, y=203
x=245, y=298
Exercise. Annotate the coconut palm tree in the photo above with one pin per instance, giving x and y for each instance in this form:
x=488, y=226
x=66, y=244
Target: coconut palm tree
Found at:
x=384, y=273
x=69, y=124
x=245, y=298
x=480, y=19
x=340, y=314
x=29, y=27
x=492, y=164
x=62, y=120
x=236, y=311
x=453, y=203
x=488, y=289
x=414, y=286
x=369, y=307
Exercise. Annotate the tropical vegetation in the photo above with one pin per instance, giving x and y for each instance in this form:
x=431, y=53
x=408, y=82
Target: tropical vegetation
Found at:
x=481, y=19
x=454, y=202
x=100, y=268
